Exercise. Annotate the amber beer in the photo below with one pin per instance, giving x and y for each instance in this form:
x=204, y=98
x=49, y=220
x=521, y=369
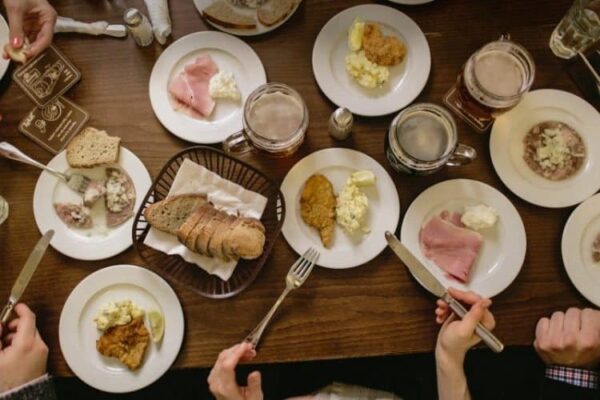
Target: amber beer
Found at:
x=493, y=80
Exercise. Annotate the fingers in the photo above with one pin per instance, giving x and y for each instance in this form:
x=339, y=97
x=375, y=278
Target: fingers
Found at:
x=542, y=331
x=15, y=13
x=0, y=336
x=44, y=36
x=254, y=388
x=442, y=311
x=24, y=324
x=474, y=316
x=465, y=297
x=556, y=328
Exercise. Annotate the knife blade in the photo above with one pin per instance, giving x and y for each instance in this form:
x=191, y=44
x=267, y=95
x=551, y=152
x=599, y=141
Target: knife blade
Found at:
x=431, y=283
x=25, y=275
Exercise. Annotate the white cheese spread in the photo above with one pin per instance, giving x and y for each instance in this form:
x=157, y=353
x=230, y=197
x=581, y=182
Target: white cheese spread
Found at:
x=223, y=86
x=479, y=217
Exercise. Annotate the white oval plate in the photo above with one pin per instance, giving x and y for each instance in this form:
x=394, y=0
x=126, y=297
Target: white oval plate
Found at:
x=407, y=80
x=580, y=232
x=86, y=244
x=503, y=251
x=384, y=208
x=506, y=148
x=411, y=2
x=230, y=54
x=260, y=28
x=78, y=334
x=4, y=38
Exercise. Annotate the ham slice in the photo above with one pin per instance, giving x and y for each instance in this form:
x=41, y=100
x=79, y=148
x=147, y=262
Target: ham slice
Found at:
x=445, y=241
x=190, y=87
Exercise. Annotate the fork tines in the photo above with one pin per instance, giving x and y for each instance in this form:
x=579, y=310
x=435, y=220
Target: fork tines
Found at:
x=304, y=265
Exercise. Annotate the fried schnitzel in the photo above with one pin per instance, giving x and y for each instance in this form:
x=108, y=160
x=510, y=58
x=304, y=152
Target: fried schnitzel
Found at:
x=317, y=207
x=382, y=50
x=127, y=343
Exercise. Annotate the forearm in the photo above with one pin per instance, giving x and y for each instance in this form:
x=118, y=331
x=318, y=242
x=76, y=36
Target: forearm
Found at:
x=451, y=378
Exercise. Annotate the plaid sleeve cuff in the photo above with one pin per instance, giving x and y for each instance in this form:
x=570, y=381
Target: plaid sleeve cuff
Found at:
x=573, y=376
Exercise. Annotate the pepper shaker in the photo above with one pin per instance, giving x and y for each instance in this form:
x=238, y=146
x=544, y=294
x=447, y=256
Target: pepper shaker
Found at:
x=139, y=26
x=340, y=124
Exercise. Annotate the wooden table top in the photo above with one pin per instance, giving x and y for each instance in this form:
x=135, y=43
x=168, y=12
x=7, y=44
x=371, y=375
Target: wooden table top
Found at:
x=376, y=309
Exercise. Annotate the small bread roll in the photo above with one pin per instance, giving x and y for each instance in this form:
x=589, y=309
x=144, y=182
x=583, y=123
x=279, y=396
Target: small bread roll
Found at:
x=19, y=55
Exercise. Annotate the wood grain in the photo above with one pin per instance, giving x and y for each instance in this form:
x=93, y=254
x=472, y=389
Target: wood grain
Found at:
x=376, y=309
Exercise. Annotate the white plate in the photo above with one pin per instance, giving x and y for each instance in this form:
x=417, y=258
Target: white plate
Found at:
x=580, y=232
x=407, y=80
x=384, y=208
x=503, y=251
x=4, y=38
x=86, y=244
x=260, y=28
x=78, y=333
x=411, y=2
x=230, y=54
x=506, y=148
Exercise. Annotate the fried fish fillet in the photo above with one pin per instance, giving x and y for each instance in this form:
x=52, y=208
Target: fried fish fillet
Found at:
x=127, y=343
x=380, y=49
x=317, y=207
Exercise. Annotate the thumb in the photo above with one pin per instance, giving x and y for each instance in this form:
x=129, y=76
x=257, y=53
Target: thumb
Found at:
x=15, y=22
x=474, y=316
x=254, y=388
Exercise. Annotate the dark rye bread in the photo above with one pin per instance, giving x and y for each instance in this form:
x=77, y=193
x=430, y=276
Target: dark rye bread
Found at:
x=190, y=223
x=215, y=246
x=190, y=242
x=208, y=232
x=168, y=215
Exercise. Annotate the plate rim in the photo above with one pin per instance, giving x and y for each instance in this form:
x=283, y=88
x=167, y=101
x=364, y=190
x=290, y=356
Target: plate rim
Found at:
x=464, y=181
x=292, y=208
x=4, y=64
x=66, y=245
x=65, y=318
x=362, y=9
x=155, y=91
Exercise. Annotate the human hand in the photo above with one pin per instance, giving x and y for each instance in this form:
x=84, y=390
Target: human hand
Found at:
x=457, y=336
x=571, y=339
x=222, y=381
x=31, y=19
x=23, y=353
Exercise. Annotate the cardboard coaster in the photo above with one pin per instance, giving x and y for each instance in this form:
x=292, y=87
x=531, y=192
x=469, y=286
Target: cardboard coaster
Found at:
x=47, y=76
x=55, y=125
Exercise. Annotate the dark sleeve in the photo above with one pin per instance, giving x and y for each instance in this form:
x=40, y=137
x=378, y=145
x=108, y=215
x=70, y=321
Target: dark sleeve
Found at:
x=555, y=390
x=40, y=389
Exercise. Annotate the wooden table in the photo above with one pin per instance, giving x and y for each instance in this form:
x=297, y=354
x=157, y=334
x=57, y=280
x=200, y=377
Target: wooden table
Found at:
x=376, y=309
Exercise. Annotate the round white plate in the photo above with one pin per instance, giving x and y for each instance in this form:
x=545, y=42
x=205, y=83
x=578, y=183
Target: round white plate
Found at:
x=86, y=244
x=260, y=28
x=4, y=38
x=78, y=334
x=230, y=54
x=384, y=208
x=506, y=148
x=505, y=244
x=580, y=232
x=406, y=81
x=411, y=2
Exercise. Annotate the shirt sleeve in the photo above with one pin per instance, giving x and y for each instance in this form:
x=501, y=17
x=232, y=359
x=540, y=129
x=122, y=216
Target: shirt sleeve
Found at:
x=573, y=376
x=562, y=383
x=41, y=388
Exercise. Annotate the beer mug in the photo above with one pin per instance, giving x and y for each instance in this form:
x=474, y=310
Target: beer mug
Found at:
x=275, y=122
x=423, y=138
x=578, y=30
x=493, y=80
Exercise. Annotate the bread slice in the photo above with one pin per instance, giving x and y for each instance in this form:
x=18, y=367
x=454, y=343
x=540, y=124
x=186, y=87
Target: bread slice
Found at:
x=191, y=240
x=208, y=232
x=244, y=239
x=19, y=55
x=275, y=11
x=220, y=12
x=215, y=246
x=92, y=148
x=190, y=223
x=168, y=215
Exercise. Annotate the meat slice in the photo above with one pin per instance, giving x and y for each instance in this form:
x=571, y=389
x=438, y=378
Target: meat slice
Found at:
x=190, y=87
x=453, y=248
x=74, y=215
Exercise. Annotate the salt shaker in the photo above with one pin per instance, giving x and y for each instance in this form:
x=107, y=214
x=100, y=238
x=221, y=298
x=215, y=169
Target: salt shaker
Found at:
x=340, y=124
x=139, y=26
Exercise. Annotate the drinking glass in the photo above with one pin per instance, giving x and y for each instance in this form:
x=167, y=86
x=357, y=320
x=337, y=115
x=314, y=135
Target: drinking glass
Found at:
x=493, y=80
x=578, y=29
x=423, y=138
x=267, y=112
x=3, y=210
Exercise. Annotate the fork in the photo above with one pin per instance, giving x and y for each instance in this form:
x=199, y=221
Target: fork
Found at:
x=76, y=182
x=294, y=279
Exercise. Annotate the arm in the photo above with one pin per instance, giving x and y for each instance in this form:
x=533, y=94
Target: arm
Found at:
x=456, y=337
x=569, y=344
x=221, y=379
x=33, y=20
x=41, y=388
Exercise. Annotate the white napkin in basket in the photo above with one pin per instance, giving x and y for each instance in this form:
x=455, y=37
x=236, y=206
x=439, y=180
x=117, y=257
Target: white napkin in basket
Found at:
x=225, y=195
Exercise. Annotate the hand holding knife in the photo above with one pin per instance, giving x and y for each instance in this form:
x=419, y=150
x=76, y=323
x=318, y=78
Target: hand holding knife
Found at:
x=431, y=283
x=25, y=276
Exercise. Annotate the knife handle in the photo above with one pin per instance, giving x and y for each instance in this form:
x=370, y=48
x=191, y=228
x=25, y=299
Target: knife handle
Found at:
x=484, y=333
x=6, y=311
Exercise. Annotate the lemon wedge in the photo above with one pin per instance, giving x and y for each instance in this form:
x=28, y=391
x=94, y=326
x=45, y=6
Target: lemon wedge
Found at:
x=157, y=325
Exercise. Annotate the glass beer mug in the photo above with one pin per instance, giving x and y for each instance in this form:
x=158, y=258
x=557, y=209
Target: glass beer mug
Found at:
x=493, y=80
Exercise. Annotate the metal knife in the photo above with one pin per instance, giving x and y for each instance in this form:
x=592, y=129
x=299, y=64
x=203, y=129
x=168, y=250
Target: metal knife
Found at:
x=432, y=284
x=25, y=276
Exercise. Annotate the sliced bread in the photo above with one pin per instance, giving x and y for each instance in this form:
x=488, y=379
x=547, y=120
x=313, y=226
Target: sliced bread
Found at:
x=208, y=232
x=19, y=55
x=275, y=11
x=168, y=215
x=191, y=240
x=92, y=148
x=190, y=223
x=222, y=13
x=244, y=239
x=215, y=246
